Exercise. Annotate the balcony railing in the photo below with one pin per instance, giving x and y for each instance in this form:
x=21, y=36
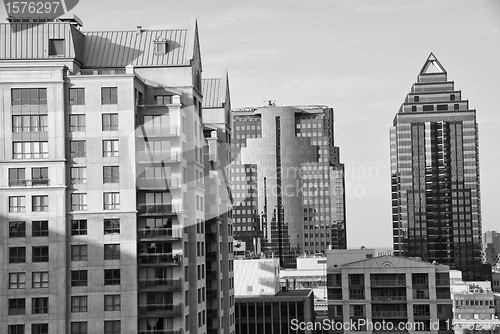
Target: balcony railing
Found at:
x=388, y=298
x=159, y=258
x=158, y=183
x=386, y=283
x=389, y=314
x=165, y=309
x=97, y=72
x=160, y=233
x=158, y=156
x=167, y=283
x=158, y=131
x=156, y=209
x=28, y=183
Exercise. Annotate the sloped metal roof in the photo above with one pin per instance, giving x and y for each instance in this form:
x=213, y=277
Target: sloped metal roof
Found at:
x=212, y=93
x=121, y=48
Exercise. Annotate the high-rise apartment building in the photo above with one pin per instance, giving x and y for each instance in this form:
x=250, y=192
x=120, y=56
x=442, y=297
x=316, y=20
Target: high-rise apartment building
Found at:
x=102, y=162
x=436, y=206
x=288, y=182
x=491, y=248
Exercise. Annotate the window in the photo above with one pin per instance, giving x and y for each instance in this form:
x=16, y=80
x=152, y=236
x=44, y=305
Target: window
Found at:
x=40, y=305
x=111, y=174
x=111, y=201
x=40, y=280
x=79, y=327
x=79, y=227
x=416, y=98
x=111, y=276
x=163, y=99
x=17, y=280
x=112, y=226
x=17, y=229
x=79, y=278
x=112, y=252
x=40, y=176
x=30, y=150
x=78, y=252
x=29, y=96
x=17, y=177
x=160, y=47
x=29, y=123
x=78, y=304
x=40, y=228
x=110, y=148
x=17, y=204
x=17, y=306
x=16, y=329
x=78, y=202
x=40, y=203
x=78, y=175
x=77, y=149
x=109, y=122
x=56, y=47
x=109, y=95
x=76, y=123
x=76, y=96
x=428, y=107
x=112, y=303
x=112, y=327
x=40, y=329
x=413, y=108
x=40, y=254
x=17, y=254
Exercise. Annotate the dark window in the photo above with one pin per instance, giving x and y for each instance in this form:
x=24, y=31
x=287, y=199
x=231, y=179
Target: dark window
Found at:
x=29, y=96
x=76, y=123
x=40, y=305
x=56, y=47
x=17, y=306
x=78, y=252
x=456, y=106
x=17, y=254
x=111, y=276
x=78, y=304
x=428, y=107
x=40, y=329
x=112, y=303
x=79, y=327
x=413, y=108
x=40, y=176
x=109, y=95
x=416, y=98
x=163, y=99
x=40, y=280
x=79, y=227
x=109, y=122
x=17, y=229
x=16, y=329
x=76, y=96
x=17, y=177
x=40, y=254
x=452, y=97
x=111, y=226
x=111, y=174
x=77, y=148
x=79, y=278
x=111, y=251
x=112, y=327
x=442, y=107
x=40, y=228
x=17, y=280
x=40, y=203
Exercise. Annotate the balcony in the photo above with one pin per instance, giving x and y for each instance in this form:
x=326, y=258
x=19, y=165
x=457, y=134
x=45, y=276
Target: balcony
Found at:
x=29, y=183
x=157, y=209
x=147, y=183
x=158, y=131
x=161, y=331
x=163, y=284
x=163, y=310
x=97, y=72
x=160, y=233
x=160, y=258
x=389, y=314
x=388, y=298
x=387, y=283
x=158, y=156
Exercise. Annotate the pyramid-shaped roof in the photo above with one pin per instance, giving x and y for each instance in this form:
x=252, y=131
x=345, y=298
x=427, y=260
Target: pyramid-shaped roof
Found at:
x=432, y=66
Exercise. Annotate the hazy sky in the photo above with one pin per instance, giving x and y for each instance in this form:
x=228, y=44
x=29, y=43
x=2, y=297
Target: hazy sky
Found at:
x=358, y=57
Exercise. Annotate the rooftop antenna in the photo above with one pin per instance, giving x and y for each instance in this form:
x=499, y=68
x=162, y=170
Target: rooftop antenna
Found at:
x=270, y=102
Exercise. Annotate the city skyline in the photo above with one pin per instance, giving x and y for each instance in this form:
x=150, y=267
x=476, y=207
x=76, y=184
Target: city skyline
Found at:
x=366, y=68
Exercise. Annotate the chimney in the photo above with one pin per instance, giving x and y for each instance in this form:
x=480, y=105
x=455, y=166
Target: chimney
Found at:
x=139, y=29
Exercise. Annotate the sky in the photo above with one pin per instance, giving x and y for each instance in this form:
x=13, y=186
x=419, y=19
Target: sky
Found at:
x=358, y=57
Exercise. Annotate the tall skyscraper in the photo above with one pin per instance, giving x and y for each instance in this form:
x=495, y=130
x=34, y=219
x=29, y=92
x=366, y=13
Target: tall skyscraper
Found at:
x=436, y=205
x=288, y=182
x=102, y=168
x=491, y=248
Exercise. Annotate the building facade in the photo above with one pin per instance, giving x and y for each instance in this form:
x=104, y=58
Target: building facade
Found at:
x=288, y=182
x=491, y=248
x=387, y=293
x=436, y=205
x=101, y=169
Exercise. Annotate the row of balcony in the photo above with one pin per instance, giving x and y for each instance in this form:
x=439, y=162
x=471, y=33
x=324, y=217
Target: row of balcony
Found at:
x=161, y=309
x=391, y=283
x=28, y=183
x=158, y=183
x=160, y=233
x=170, y=284
x=160, y=258
x=161, y=208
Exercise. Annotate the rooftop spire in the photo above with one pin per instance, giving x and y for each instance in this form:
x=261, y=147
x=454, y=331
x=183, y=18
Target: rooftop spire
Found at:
x=432, y=65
